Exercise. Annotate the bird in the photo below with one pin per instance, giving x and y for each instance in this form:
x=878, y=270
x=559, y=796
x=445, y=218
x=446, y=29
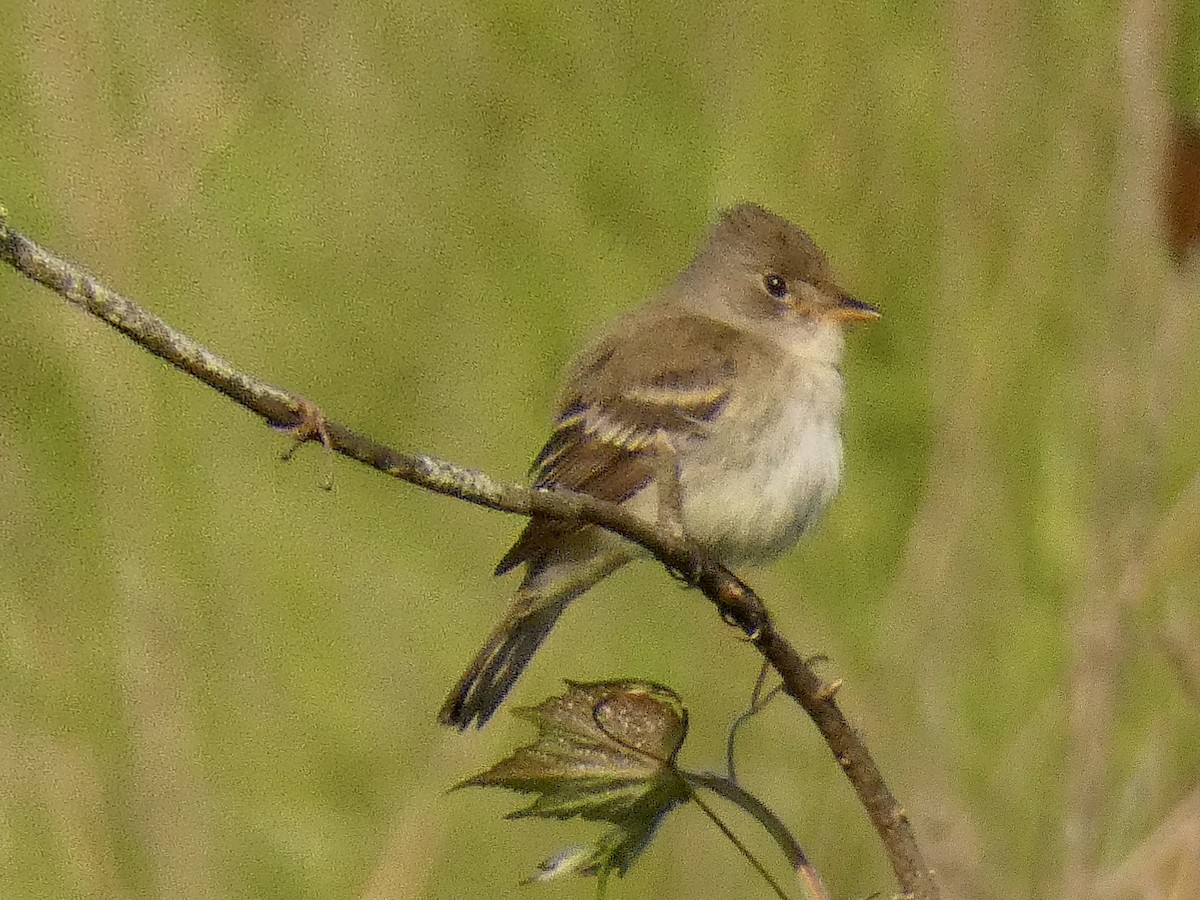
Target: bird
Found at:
x=713, y=410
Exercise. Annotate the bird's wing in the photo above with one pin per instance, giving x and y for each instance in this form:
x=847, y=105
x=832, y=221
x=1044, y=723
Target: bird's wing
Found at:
x=624, y=397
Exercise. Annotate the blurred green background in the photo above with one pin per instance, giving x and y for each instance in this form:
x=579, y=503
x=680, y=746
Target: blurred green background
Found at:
x=217, y=680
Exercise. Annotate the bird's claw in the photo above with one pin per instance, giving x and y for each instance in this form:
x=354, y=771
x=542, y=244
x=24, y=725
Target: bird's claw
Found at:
x=691, y=570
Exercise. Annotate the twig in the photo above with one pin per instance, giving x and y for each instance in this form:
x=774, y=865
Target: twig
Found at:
x=730, y=790
x=757, y=704
x=736, y=601
x=754, y=861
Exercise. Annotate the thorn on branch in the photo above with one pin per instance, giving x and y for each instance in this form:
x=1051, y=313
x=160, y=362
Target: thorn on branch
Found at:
x=311, y=427
x=829, y=689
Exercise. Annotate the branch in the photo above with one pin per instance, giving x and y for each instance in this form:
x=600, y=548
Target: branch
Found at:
x=752, y=806
x=736, y=601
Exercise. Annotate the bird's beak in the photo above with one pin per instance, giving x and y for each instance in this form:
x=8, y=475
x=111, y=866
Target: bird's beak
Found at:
x=849, y=309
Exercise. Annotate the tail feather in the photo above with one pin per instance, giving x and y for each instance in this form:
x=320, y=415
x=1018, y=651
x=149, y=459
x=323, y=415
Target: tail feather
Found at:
x=550, y=583
x=496, y=668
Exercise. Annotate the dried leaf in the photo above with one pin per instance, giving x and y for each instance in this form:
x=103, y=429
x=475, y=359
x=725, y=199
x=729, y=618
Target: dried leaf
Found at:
x=605, y=751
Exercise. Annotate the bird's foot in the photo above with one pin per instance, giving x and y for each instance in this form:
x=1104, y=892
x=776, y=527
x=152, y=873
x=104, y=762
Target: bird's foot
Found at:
x=689, y=570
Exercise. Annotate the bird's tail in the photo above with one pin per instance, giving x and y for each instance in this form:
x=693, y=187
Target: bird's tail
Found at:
x=547, y=589
x=497, y=666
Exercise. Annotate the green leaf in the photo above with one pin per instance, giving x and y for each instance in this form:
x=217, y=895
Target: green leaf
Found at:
x=605, y=751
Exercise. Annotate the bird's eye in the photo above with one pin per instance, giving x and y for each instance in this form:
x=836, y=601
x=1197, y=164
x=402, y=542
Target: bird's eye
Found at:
x=775, y=286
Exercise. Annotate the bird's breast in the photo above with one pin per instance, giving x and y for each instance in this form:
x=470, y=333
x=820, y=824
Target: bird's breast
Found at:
x=767, y=469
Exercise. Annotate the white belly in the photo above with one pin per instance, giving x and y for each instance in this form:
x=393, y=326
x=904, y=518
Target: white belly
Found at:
x=750, y=492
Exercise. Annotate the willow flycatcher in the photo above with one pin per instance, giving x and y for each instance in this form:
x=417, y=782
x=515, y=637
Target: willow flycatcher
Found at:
x=713, y=409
